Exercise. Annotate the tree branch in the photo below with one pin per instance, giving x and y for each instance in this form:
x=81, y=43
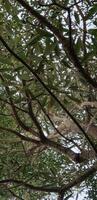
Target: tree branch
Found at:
x=5, y=101
x=19, y=121
x=22, y=137
x=64, y=41
x=31, y=113
x=60, y=190
x=14, y=195
x=49, y=91
x=80, y=179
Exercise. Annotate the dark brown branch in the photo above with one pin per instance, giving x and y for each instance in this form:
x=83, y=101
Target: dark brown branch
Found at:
x=70, y=28
x=64, y=41
x=29, y=186
x=5, y=101
x=31, y=113
x=56, y=129
x=22, y=137
x=76, y=3
x=44, y=111
x=76, y=157
x=61, y=196
x=60, y=190
x=80, y=179
x=49, y=91
x=19, y=121
x=14, y=195
x=84, y=28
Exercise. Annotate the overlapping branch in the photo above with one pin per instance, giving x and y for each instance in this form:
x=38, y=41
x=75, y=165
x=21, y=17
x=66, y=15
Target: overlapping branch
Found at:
x=76, y=157
x=22, y=137
x=60, y=190
x=31, y=113
x=64, y=41
x=49, y=91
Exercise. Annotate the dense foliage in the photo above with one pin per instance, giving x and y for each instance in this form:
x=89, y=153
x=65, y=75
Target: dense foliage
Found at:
x=48, y=99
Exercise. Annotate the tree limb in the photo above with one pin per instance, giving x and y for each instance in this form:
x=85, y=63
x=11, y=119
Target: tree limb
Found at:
x=64, y=41
x=60, y=190
x=49, y=91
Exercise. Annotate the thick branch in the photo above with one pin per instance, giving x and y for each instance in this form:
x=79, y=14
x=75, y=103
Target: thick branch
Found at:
x=78, y=179
x=29, y=186
x=22, y=137
x=49, y=91
x=64, y=41
x=76, y=157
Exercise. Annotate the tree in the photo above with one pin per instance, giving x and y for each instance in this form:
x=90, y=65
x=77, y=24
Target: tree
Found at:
x=48, y=119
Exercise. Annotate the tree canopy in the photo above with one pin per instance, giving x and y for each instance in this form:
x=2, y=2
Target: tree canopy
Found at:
x=48, y=99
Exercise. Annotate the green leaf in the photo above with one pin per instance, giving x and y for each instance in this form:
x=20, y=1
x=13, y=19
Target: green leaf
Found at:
x=78, y=44
x=9, y=76
x=34, y=40
x=44, y=33
x=77, y=17
x=92, y=11
x=95, y=22
x=66, y=2
x=5, y=60
x=7, y=6
x=93, y=32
